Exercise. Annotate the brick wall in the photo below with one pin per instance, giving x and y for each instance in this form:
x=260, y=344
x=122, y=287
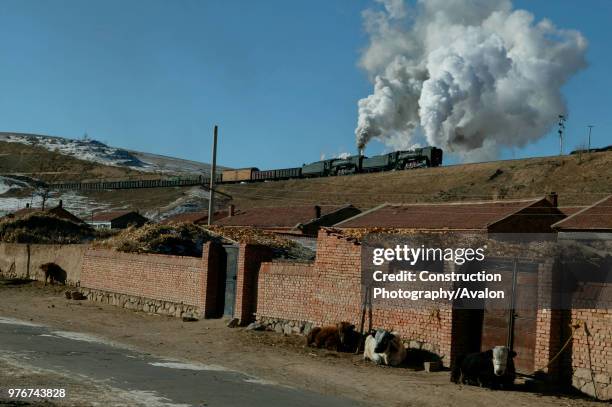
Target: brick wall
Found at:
x=329, y=291
x=591, y=352
x=286, y=291
x=174, y=279
x=250, y=258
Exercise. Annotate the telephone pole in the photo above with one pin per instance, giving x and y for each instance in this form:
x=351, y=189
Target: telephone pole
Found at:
x=211, y=196
x=561, y=131
x=590, y=126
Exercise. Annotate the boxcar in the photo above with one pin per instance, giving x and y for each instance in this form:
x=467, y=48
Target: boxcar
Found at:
x=239, y=175
x=284, y=173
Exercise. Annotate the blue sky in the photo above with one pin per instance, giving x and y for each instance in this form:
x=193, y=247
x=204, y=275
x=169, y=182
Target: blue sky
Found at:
x=279, y=77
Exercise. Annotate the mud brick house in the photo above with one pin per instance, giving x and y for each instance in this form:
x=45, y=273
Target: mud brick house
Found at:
x=116, y=219
x=303, y=221
x=58, y=211
x=587, y=363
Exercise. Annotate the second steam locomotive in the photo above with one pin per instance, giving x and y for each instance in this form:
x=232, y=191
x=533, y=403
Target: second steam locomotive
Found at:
x=356, y=164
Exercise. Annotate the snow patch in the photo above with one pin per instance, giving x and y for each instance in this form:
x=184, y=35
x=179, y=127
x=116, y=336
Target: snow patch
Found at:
x=152, y=399
x=12, y=321
x=262, y=382
x=190, y=366
x=7, y=184
x=77, y=336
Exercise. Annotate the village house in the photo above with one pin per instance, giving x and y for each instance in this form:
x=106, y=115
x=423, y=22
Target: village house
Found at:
x=116, y=219
x=57, y=211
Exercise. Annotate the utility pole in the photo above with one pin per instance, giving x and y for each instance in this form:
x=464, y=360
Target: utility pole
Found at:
x=590, y=126
x=211, y=193
x=561, y=131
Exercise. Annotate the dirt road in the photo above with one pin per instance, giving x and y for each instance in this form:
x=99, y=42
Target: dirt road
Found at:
x=271, y=357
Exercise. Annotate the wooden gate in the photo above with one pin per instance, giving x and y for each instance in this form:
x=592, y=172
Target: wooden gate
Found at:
x=514, y=326
x=231, y=267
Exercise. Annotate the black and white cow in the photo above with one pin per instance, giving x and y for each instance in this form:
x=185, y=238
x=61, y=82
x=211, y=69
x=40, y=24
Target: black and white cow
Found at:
x=384, y=348
x=493, y=368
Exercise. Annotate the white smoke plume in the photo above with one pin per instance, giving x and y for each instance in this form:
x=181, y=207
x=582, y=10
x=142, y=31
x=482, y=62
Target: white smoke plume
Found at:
x=472, y=76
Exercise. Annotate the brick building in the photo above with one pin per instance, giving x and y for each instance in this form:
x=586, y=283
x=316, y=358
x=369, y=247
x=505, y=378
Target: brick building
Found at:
x=587, y=363
x=329, y=290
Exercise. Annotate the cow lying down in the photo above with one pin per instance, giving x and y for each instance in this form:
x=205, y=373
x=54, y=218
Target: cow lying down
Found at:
x=385, y=348
x=340, y=337
x=493, y=368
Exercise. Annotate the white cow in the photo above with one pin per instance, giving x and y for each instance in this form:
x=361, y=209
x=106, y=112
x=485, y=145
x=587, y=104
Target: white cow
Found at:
x=384, y=348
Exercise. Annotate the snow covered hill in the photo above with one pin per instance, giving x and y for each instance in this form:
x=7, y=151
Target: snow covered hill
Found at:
x=98, y=152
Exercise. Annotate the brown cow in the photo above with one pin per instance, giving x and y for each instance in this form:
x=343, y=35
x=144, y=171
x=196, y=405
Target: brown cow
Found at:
x=53, y=273
x=339, y=337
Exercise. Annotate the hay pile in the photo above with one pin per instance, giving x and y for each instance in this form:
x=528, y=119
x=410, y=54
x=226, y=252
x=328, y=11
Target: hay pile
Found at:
x=187, y=239
x=44, y=228
x=282, y=248
x=183, y=239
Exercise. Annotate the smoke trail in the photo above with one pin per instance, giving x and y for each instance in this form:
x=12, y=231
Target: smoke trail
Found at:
x=471, y=75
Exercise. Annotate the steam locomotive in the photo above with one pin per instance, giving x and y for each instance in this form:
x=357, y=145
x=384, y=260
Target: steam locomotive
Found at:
x=356, y=164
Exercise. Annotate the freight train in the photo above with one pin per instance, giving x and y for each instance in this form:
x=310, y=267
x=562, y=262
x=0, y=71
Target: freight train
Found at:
x=356, y=164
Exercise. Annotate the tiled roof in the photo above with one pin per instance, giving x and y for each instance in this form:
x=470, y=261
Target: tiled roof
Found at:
x=457, y=216
x=595, y=217
x=276, y=217
x=108, y=216
x=570, y=210
x=193, y=217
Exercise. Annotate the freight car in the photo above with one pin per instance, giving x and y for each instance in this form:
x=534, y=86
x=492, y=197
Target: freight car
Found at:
x=270, y=175
x=239, y=175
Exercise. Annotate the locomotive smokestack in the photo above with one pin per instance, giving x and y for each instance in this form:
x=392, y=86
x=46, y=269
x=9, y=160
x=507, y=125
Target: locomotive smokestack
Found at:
x=360, y=151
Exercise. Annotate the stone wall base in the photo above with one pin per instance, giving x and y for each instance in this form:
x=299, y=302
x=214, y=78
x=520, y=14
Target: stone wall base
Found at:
x=583, y=382
x=143, y=304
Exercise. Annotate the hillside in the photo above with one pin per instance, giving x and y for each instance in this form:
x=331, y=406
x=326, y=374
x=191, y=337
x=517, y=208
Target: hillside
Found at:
x=579, y=180
x=37, y=162
x=94, y=151
x=22, y=166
